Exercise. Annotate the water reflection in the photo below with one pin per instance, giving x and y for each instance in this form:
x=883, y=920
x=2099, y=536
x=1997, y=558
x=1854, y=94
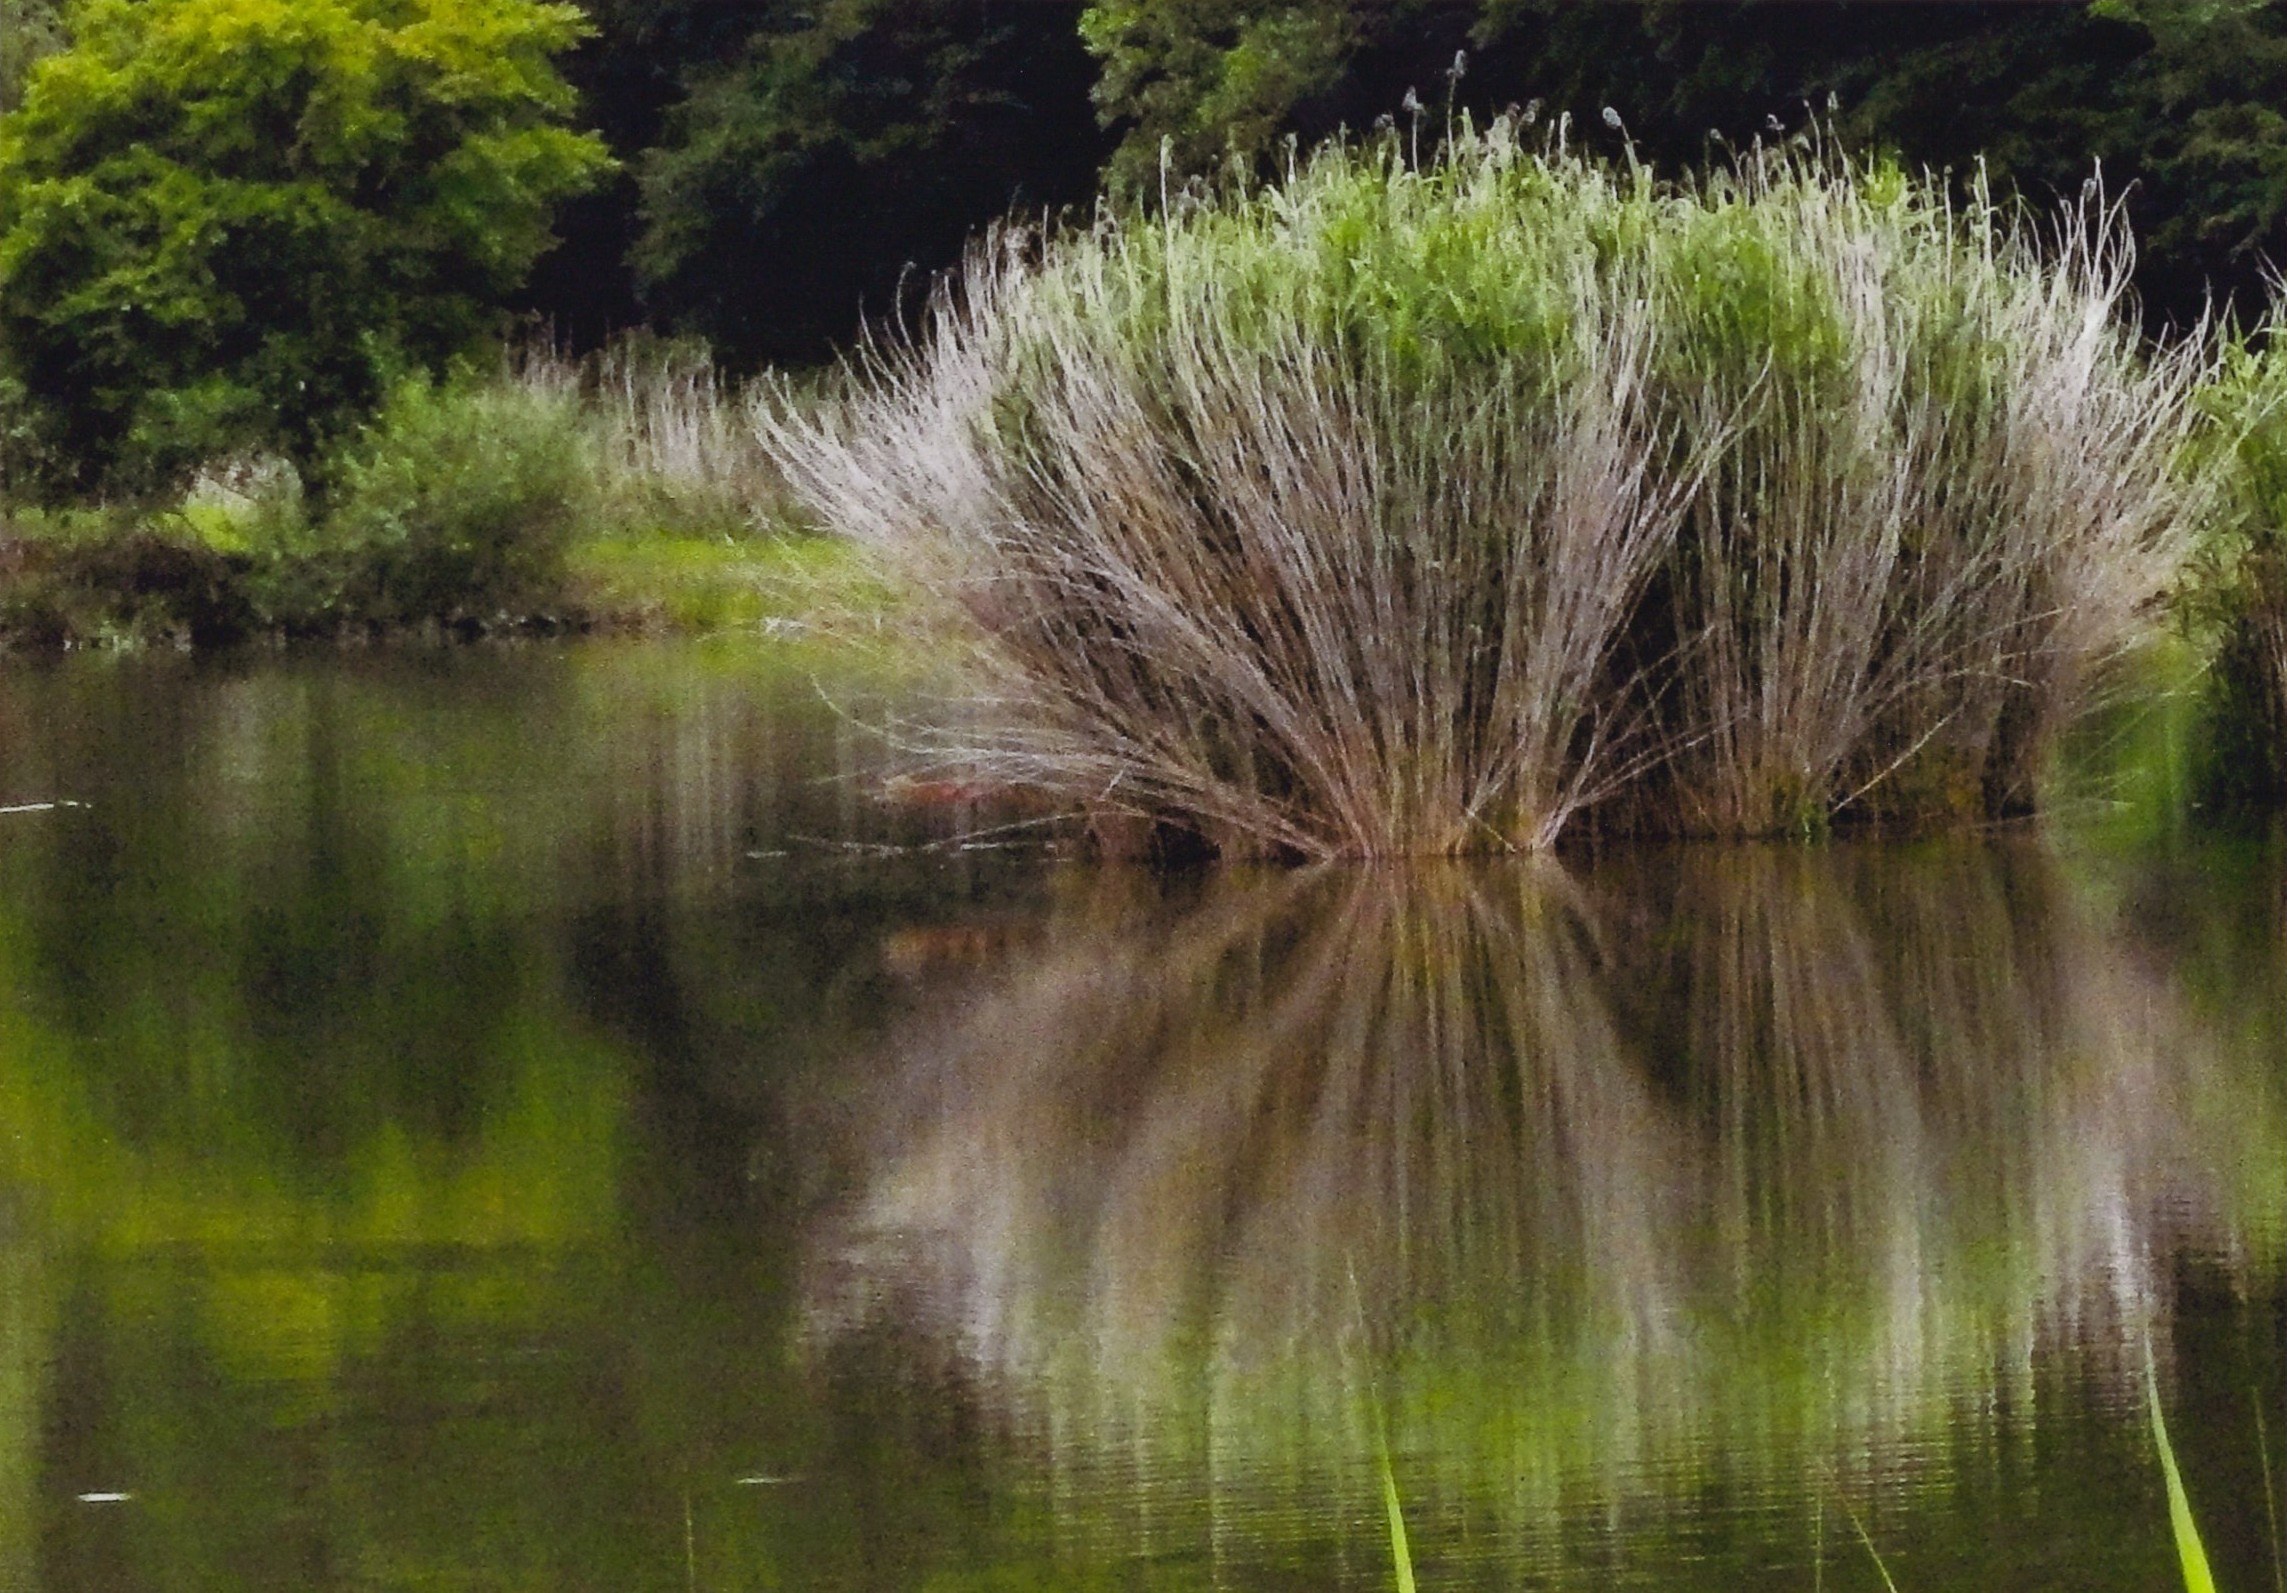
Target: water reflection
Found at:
x=384, y=1046
x=472, y=1122
x=1763, y=1174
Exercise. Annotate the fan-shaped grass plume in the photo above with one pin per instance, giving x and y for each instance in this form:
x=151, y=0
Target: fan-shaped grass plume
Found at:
x=1425, y=509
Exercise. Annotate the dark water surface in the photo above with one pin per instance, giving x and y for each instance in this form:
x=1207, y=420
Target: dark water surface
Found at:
x=532, y=1120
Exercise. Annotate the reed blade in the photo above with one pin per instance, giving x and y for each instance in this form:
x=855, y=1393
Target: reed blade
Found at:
x=1872, y=1552
x=2197, y=1577
x=1399, y=1555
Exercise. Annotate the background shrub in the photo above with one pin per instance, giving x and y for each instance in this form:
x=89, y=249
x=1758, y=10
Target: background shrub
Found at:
x=456, y=505
x=104, y=577
x=2238, y=588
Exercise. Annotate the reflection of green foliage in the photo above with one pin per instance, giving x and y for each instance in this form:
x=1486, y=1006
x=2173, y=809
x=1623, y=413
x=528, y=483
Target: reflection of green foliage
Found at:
x=254, y=1210
x=199, y=1158
x=321, y=1144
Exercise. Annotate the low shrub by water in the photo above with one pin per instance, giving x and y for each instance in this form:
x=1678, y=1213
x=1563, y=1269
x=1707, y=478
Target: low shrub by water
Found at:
x=1406, y=509
x=458, y=506
x=547, y=493
x=94, y=578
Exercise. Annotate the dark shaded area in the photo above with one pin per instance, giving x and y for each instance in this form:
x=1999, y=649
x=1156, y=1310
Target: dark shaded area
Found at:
x=791, y=169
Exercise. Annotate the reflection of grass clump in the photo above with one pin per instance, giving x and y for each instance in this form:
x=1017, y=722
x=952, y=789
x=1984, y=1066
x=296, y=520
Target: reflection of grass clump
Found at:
x=1812, y=1150
x=1404, y=509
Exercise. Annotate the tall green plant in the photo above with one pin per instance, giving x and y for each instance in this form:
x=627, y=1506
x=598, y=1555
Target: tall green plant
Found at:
x=2191, y=1554
x=2238, y=595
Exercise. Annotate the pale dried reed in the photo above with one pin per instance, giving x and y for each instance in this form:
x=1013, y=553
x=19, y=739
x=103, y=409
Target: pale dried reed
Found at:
x=1951, y=501
x=1343, y=518
x=665, y=433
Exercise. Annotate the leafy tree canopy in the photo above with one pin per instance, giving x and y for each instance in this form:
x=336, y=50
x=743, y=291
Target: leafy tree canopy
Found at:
x=227, y=223
x=1206, y=77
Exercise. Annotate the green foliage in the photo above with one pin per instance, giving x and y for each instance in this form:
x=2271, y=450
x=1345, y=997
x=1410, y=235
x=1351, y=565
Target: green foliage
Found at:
x=105, y=577
x=2178, y=100
x=621, y=492
x=1211, y=77
x=456, y=506
x=2236, y=594
x=23, y=457
x=226, y=223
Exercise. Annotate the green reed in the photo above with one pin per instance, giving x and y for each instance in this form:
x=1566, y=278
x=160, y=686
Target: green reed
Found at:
x=2189, y=1552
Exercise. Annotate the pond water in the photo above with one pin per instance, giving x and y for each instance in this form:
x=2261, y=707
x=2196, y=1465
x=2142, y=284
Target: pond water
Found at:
x=533, y=1120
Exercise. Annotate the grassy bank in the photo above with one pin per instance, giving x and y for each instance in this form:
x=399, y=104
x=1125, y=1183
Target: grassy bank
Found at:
x=1459, y=507
x=546, y=495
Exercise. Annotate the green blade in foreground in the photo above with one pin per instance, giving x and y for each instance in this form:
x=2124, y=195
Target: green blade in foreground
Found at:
x=2197, y=1577
x=1398, y=1552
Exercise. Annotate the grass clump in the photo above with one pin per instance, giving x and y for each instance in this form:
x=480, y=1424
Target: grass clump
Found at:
x=1436, y=509
x=2238, y=593
x=672, y=447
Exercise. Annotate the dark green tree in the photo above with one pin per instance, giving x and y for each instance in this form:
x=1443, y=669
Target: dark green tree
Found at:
x=629, y=73
x=848, y=147
x=227, y=224
x=1196, y=80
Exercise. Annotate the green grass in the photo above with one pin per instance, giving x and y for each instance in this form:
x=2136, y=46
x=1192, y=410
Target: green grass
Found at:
x=665, y=580
x=1401, y=1557
x=1872, y=1553
x=2189, y=1552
